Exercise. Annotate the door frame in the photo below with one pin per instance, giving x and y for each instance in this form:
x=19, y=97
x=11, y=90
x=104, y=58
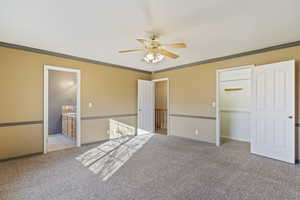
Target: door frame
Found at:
x=168, y=103
x=48, y=68
x=218, y=117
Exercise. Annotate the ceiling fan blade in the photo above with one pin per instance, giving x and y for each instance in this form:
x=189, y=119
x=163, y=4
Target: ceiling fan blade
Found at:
x=141, y=41
x=175, y=46
x=132, y=50
x=168, y=53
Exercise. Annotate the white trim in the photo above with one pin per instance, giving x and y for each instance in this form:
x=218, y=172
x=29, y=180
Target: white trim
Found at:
x=218, y=121
x=46, y=78
x=218, y=134
x=160, y=79
x=49, y=67
x=235, y=68
x=168, y=103
x=46, y=90
x=236, y=111
x=138, y=109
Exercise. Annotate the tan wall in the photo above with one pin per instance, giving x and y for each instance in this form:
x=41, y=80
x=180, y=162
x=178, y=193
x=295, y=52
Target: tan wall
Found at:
x=187, y=127
x=112, y=91
x=20, y=140
x=99, y=129
x=193, y=89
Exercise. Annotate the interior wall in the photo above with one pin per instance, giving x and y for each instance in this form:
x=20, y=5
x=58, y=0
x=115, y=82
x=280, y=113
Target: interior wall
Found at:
x=113, y=93
x=111, y=90
x=62, y=91
x=193, y=91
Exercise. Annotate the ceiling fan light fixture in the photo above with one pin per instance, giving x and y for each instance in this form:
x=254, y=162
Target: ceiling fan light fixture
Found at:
x=153, y=57
x=155, y=51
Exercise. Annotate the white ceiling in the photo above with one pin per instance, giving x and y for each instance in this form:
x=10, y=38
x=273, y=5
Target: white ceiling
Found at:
x=99, y=29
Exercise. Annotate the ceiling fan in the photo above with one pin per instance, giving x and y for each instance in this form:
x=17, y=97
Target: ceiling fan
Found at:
x=155, y=51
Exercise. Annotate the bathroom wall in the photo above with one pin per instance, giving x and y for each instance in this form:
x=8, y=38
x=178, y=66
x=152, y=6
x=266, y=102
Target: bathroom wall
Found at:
x=62, y=91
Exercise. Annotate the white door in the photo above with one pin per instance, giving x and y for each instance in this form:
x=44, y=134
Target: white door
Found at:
x=273, y=111
x=146, y=102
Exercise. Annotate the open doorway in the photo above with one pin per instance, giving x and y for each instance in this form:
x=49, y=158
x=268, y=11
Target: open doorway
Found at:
x=234, y=105
x=153, y=106
x=161, y=107
x=256, y=105
x=61, y=108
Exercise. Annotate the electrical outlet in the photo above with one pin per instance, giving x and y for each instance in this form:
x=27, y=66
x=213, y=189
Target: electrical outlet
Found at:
x=90, y=104
x=196, y=132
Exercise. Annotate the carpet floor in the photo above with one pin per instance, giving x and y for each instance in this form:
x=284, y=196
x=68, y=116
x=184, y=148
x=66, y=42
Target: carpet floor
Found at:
x=164, y=167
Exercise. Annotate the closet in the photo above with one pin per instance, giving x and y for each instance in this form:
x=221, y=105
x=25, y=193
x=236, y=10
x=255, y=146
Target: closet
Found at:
x=235, y=102
x=258, y=101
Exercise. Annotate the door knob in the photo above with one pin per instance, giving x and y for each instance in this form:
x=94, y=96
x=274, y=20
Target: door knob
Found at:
x=291, y=116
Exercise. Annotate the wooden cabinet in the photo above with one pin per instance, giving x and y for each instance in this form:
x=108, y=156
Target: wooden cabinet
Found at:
x=69, y=125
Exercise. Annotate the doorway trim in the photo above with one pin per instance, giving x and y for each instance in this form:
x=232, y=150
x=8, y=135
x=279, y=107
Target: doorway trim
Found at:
x=218, y=118
x=47, y=68
x=168, y=103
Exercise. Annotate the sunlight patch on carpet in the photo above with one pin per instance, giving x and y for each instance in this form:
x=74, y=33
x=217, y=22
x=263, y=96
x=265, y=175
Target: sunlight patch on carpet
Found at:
x=108, y=157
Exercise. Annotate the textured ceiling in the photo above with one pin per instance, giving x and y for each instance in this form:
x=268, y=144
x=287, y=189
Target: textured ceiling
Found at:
x=98, y=29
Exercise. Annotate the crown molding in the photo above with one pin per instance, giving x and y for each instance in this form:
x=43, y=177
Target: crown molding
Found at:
x=61, y=55
x=52, y=53
x=247, y=53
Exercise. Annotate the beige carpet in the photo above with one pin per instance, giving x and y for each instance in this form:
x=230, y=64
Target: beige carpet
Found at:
x=165, y=167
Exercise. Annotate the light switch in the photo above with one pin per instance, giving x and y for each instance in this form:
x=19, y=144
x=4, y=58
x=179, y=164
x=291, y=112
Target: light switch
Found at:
x=213, y=104
x=90, y=104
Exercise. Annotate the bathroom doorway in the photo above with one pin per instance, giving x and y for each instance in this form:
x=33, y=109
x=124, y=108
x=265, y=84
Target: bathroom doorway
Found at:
x=61, y=108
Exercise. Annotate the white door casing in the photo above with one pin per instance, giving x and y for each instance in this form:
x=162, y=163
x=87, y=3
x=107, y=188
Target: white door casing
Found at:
x=273, y=111
x=46, y=106
x=233, y=106
x=146, y=106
